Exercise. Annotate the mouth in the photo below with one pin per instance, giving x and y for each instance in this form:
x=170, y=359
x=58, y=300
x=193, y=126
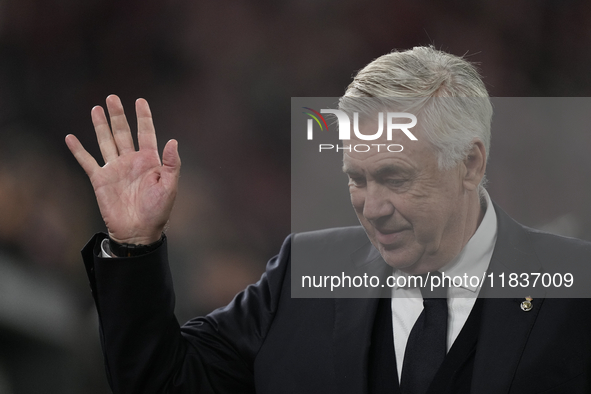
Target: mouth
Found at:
x=388, y=237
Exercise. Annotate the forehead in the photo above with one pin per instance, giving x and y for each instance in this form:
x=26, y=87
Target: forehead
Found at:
x=400, y=151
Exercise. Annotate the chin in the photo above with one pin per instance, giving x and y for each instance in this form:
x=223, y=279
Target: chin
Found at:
x=398, y=259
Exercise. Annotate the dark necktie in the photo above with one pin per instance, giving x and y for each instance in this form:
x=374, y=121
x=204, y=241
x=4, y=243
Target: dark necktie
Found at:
x=427, y=342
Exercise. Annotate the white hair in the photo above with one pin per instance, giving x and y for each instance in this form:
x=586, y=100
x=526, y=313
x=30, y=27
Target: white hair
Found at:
x=444, y=91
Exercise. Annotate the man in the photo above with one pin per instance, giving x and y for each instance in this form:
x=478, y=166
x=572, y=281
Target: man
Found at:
x=423, y=209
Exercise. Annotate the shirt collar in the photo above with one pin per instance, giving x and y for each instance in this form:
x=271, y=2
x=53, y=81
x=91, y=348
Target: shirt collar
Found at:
x=474, y=259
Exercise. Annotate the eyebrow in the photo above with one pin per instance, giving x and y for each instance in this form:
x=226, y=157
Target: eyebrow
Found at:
x=350, y=171
x=389, y=169
x=381, y=172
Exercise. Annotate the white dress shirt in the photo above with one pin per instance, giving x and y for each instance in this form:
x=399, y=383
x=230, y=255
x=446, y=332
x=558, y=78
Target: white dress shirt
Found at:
x=473, y=260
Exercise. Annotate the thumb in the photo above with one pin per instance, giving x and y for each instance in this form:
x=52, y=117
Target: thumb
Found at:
x=171, y=163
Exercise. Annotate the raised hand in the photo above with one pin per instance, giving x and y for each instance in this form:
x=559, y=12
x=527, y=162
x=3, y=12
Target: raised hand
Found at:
x=134, y=191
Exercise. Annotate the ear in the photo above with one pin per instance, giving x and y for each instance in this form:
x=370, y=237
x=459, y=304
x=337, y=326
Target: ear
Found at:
x=475, y=163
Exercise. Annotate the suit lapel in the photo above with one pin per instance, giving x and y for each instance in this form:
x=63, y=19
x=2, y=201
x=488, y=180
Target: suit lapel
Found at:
x=354, y=319
x=351, y=340
x=504, y=328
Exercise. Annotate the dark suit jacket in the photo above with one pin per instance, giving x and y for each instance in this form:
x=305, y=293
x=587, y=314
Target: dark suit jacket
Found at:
x=265, y=341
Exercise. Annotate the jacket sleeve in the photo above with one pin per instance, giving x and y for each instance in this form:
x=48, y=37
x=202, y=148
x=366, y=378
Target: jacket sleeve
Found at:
x=145, y=351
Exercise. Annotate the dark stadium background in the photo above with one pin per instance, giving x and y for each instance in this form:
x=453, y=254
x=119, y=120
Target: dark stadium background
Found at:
x=219, y=77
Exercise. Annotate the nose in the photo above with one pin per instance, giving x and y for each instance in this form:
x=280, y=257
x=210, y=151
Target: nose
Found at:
x=377, y=204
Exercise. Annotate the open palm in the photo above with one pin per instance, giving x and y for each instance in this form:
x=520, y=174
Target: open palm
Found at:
x=134, y=191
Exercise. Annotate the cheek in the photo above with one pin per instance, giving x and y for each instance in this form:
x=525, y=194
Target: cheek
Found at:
x=357, y=198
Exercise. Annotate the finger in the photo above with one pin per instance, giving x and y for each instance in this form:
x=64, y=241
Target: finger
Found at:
x=119, y=125
x=84, y=158
x=171, y=165
x=103, y=134
x=146, y=134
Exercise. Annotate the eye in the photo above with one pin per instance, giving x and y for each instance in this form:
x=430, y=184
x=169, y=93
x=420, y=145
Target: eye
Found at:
x=356, y=181
x=395, y=182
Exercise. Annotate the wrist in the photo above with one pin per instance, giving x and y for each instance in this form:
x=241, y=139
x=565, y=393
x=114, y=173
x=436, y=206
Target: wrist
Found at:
x=136, y=240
